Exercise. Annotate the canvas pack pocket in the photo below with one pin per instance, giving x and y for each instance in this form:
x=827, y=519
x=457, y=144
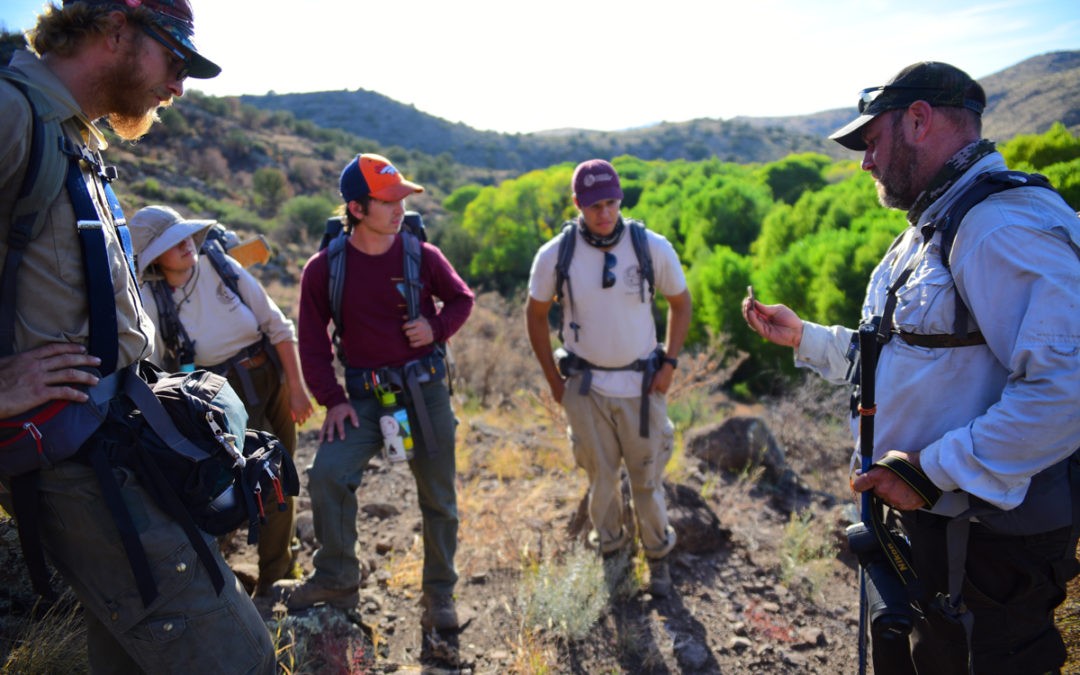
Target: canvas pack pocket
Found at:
x=53, y=431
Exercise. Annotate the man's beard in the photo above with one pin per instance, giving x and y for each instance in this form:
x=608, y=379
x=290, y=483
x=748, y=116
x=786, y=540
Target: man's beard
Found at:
x=894, y=185
x=123, y=87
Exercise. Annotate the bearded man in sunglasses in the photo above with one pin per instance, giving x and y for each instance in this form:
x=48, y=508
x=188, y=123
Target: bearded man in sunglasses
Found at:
x=612, y=377
x=117, y=60
x=977, y=381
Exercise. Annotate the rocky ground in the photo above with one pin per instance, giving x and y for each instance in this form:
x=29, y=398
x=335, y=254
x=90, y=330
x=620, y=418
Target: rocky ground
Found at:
x=737, y=608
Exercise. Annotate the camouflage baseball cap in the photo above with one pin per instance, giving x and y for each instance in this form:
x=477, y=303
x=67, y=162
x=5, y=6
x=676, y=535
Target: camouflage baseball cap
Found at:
x=175, y=19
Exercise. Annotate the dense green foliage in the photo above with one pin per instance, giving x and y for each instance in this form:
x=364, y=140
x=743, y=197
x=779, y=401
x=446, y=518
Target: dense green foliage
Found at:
x=806, y=231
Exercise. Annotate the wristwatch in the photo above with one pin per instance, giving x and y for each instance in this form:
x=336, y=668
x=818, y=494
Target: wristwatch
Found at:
x=672, y=360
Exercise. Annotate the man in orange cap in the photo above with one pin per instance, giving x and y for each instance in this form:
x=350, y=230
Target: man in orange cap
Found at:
x=380, y=345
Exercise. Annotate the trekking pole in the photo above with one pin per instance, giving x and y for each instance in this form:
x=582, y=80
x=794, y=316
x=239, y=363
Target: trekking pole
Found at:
x=867, y=408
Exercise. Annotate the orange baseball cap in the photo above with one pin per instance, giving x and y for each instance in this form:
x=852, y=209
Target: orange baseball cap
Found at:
x=374, y=175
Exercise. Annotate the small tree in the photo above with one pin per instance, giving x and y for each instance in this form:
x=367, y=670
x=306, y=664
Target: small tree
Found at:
x=271, y=189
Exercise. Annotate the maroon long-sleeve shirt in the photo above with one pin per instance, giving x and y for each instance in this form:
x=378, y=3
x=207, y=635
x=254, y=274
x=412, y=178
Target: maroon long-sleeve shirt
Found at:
x=373, y=312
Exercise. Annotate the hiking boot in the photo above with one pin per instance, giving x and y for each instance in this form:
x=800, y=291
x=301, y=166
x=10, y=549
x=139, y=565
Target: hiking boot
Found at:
x=659, y=577
x=439, y=612
x=303, y=594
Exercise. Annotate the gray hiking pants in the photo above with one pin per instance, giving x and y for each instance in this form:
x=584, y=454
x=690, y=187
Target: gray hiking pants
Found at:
x=335, y=475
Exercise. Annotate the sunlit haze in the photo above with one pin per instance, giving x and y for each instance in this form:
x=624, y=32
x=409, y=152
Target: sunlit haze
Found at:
x=521, y=67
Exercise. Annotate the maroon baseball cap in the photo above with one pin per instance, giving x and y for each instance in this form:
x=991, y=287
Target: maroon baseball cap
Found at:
x=176, y=19
x=595, y=180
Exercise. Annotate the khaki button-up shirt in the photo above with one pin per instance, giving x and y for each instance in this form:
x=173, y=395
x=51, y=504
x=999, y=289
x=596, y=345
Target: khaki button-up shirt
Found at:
x=51, y=300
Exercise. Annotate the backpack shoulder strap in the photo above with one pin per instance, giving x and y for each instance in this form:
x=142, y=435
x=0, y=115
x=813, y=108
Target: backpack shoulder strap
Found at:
x=562, y=270
x=986, y=184
x=213, y=250
x=640, y=240
x=47, y=164
x=413, y=249
x=336, y=256
x=46, y=170
x=179, y=347
x=562, y=261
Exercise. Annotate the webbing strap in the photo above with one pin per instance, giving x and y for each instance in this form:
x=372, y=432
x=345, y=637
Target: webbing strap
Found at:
x=422, y=415
x=952, y=605
x=24, y=498
x=647, y=366
x=176, y=509
x=129, y=537
x=942, y=341
x=101, y=301
x=19, y=234
x=174, y=335
x=913, y=476
x=159, y=420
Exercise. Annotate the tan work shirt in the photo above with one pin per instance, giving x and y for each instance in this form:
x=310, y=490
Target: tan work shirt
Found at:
x=51, y=300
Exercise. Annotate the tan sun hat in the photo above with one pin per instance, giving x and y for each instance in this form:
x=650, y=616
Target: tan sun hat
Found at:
x=156, y=229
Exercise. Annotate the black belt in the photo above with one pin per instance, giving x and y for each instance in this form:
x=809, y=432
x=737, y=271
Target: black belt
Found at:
x=648, y=366
x=360, y=383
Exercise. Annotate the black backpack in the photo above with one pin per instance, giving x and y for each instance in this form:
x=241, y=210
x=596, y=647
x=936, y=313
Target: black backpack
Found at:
x=566, y=253
x=335, y=238
x=198, y=460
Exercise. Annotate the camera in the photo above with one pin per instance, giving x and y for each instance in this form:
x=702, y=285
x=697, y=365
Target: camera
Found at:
x=890, y=611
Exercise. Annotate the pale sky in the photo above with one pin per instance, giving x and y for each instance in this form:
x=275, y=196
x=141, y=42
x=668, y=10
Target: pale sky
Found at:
x=606, y=64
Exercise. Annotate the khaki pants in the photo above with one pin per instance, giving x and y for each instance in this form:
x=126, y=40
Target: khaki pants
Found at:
x=604, y=435
x=189, y=628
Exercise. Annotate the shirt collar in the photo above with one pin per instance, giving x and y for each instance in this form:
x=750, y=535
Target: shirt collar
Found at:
x=60, y=97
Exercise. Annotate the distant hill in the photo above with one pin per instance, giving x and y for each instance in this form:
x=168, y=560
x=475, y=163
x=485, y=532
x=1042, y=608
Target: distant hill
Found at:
x=371, y=115
x=1025, y=98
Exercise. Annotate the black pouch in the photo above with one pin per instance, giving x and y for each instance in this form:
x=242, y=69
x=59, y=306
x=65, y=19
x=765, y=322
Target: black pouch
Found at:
x=200, y=452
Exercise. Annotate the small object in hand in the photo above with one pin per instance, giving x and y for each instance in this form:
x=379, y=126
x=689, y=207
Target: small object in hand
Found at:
x=750, y=293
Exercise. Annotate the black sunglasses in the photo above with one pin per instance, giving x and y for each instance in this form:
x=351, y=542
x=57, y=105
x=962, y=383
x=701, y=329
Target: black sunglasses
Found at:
x=609, y=266
x=185, y=62
x=937, y=96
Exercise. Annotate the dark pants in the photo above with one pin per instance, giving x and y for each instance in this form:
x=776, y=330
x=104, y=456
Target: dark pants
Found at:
x=271, y=413
x=189, y=628
x=335, y=475
x=1012, y=585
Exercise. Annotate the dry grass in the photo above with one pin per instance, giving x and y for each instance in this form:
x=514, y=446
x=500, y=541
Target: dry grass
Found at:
x=1068, y=621
x=807, y=554
x=56, y=643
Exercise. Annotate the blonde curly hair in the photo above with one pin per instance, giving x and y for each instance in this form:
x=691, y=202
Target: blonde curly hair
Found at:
x=62, y=30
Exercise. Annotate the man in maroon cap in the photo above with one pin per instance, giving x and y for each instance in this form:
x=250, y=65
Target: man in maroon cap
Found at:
x=64, y=240
x=613, y=378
